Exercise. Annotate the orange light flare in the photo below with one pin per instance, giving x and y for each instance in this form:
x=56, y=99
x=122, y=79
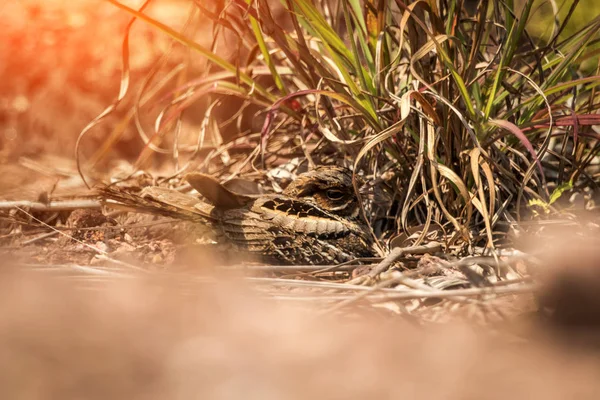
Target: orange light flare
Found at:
x=60, y=66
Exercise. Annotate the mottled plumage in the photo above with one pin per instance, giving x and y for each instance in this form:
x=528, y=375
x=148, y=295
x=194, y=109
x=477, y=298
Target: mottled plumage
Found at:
x=314, y=221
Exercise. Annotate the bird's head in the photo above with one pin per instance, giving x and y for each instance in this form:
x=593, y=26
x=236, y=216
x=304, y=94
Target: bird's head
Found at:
x=329, y=188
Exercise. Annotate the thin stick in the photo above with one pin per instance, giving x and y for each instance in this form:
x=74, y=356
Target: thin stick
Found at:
x=293, y=268
x=418, y=294
x=395, y=255
x=312, y=284
x=38, y=238
x=58, y=205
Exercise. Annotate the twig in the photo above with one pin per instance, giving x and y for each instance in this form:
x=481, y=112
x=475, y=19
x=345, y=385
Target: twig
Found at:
x=40, y=237
x=418, y=294
x=77, y=267
x=294, y=268
x=391, y=258
x=312, y=284
x=400, y=279
x=57, y=205
x=96, y=271
x=105, y=257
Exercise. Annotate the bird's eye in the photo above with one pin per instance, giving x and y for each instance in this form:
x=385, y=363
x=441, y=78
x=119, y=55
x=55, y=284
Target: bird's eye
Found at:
x=334, y=194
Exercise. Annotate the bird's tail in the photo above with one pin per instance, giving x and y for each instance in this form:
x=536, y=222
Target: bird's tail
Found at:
x=159, y=201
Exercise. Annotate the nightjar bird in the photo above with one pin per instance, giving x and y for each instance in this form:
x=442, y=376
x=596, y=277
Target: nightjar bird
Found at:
x=316, y=220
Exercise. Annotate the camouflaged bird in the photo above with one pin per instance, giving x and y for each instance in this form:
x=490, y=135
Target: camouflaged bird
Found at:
x=316, y=220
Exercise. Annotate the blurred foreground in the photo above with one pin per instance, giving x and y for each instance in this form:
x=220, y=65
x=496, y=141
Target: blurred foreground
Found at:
x=156, y=339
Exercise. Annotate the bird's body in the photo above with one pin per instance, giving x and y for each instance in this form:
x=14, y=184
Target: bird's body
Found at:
x=314, y=221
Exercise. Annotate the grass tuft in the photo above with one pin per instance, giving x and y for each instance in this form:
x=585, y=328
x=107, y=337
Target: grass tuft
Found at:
x=462, y=117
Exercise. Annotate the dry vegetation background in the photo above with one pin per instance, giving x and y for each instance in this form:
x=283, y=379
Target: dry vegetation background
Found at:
x=160, y=337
